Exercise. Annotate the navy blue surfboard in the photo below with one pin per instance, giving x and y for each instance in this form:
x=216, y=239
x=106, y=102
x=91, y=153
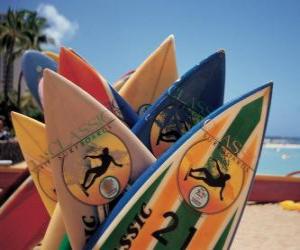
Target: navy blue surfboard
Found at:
x=191, y=98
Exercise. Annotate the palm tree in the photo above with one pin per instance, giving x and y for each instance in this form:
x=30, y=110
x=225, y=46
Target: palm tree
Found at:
x=19, y=31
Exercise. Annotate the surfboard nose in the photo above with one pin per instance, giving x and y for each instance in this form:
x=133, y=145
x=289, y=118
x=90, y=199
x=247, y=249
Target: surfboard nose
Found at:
x=202, y=87
x=33, y=63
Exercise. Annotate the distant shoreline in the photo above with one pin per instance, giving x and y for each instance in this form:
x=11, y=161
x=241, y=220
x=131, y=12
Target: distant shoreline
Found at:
x=280, y=145
x=288, y=142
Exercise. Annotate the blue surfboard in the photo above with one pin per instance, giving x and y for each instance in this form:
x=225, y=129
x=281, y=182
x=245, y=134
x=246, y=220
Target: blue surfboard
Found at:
x=172, y=205
x=33, y=63
x=191, y=98
x=129, y=116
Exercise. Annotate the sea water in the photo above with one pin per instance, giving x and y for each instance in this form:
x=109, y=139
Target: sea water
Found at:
x=279, y=159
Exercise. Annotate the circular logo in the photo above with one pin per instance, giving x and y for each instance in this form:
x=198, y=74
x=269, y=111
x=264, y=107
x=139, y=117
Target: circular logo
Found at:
x=45, y=179
x=198, y=196
x=42, y=172
x=109, y=187
x=210, y=177
x=98, y=170
x=169, y=125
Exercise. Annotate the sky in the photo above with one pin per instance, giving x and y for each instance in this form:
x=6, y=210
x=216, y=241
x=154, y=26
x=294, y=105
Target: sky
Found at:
x=261, y=40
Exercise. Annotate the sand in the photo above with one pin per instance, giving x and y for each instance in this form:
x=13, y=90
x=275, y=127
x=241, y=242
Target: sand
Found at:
x=268, y=226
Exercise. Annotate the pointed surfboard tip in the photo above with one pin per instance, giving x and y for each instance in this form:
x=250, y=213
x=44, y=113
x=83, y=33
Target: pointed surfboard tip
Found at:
x=64, y=52
x=70, y=55
x=267, y=85
x=168, y=42
x=18, y=116
x=221, y=51
x=14, y=116
x=218, y=55
x=21, y=121
x=171, y=38
x=50, y=82
x=217, y=58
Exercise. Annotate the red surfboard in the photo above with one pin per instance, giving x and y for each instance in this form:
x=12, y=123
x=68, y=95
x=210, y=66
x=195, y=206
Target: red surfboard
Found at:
x=23, y=218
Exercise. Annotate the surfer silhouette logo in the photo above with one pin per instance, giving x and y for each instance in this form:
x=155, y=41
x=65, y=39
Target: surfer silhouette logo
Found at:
x=98, y=171
x=208, y=178
x=169, y=125
x=172, y=132
x=210, y=185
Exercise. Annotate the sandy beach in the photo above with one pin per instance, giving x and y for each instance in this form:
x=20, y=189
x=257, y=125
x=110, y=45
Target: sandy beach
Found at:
x=268, y=226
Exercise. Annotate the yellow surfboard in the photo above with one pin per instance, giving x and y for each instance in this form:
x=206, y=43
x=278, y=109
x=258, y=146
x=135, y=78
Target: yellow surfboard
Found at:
x=152, y=77
x=31, y=136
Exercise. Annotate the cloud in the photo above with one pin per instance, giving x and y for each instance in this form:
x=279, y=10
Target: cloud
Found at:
x=60, y=28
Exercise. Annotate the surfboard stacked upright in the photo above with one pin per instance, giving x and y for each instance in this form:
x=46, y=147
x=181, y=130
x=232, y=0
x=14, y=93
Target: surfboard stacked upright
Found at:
x=154, y=162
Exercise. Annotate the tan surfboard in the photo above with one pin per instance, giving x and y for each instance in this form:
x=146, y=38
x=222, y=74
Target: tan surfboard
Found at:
x=152, y=77
x=93, y=155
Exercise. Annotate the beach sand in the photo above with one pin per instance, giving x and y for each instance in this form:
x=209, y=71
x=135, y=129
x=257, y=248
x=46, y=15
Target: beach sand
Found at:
x=268, y=226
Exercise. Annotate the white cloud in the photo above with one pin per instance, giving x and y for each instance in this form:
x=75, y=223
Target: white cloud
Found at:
x=60, y=28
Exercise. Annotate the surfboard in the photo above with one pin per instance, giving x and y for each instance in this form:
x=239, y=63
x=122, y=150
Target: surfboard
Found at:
x=81, y=134
x=194, y=195
x=275, y=188
x=31, y=135
x=33, y=63
x=196, y=94
x=52, y=55
x=77, y=70
x=152, y=77
x=23, y=218
x=56, y=231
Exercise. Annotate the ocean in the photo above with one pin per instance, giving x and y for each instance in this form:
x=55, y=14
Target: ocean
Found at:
x=279, y=156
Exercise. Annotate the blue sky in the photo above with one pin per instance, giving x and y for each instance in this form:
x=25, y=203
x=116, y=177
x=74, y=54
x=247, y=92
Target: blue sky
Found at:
x=261, y=40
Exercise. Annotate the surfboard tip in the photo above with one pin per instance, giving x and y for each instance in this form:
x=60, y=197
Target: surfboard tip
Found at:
x=14, y=115
x=51, y=80
x=171, y=38
x=221, y=51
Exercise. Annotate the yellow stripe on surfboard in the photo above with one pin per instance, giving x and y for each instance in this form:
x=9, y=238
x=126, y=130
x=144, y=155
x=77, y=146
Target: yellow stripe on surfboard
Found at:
x=163, y=200
x=170, y=199
x=212, y=216
x=152, y=77
x=209, y=236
